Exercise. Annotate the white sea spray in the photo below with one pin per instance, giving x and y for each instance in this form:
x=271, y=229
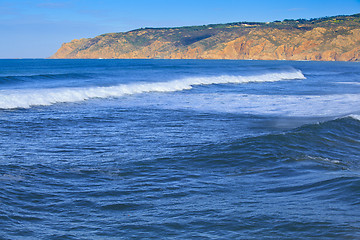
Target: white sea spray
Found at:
x=26, y=98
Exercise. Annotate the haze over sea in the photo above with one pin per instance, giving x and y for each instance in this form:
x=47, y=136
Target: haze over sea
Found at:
x=179, y=149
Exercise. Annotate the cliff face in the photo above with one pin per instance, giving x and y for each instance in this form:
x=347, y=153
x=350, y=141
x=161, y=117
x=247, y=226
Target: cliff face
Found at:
x=324, y=39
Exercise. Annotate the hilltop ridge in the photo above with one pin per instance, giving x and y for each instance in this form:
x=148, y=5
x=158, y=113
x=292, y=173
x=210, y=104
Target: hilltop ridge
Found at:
x=334, y=38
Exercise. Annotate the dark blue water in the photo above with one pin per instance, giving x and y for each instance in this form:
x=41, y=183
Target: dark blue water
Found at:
x=179, y=149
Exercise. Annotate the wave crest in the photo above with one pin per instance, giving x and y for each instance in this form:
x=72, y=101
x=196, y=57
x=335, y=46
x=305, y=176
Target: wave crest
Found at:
x=43, y=97
x=355, y=117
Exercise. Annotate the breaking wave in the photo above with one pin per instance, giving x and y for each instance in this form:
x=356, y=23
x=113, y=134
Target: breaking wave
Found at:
x=355, y=116
x=26, y=98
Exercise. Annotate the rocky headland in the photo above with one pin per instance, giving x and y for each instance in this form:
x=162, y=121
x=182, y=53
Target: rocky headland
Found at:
x=322, y=39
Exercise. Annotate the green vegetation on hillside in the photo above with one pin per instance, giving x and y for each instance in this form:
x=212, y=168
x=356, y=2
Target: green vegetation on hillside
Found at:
x=328, y=38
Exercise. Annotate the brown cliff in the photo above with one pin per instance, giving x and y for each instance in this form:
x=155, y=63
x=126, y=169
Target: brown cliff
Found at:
x=324, y=39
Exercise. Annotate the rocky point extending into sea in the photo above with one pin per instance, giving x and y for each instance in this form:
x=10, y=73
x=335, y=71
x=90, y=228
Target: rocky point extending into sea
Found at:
x=322, y=39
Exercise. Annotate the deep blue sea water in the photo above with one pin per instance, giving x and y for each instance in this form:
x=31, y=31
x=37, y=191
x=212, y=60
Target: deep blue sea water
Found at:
x=179, y=149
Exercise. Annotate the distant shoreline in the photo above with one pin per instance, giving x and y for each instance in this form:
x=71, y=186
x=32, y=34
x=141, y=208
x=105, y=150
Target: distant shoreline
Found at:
x=169, y=59
x=322, y=39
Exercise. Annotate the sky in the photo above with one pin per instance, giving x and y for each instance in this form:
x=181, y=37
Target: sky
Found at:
x=37, y=28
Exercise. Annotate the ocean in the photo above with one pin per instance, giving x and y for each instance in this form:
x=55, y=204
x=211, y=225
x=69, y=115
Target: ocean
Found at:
x=179, y=149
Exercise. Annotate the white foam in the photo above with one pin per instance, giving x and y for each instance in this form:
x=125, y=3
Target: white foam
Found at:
x=332, y=106
x=26, y=98
x=354, y=116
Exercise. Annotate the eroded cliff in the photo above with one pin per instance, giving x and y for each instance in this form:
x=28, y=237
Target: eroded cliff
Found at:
x=325, y=39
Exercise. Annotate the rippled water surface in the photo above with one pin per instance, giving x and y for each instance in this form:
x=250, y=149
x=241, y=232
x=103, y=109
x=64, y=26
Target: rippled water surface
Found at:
x=179, y=149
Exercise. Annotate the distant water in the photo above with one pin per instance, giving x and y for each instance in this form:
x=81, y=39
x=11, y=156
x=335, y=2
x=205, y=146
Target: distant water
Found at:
x=179, y=149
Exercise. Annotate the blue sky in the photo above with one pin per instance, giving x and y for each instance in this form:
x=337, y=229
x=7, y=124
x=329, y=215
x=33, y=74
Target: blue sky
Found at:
x=37, y=28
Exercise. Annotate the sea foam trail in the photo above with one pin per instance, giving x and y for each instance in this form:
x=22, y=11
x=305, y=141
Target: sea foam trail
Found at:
x=26, y=98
